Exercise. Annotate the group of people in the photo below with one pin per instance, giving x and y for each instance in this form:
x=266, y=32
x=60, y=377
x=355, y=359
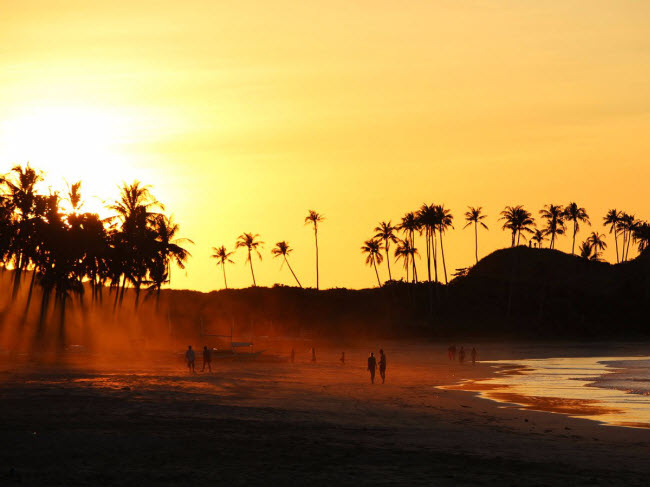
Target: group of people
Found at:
x=190, y=358
x=372, y=366
x=451, y=353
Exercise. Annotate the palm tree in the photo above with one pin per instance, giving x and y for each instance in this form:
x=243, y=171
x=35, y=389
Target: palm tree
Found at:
x=427, y=219
x=585, y=250
x=250, y=242
x=223, y=257
x=611, y=219
x=539, y=236
x=626, y=225
x=575, y=214
x=554, y=216
x=474, y=216
x=282, y=249
x=315, y=218
x=597, y=243
x=405, y=252
x=373, y=248
x=386, y=232
x=411, y=224
x=517, y=220
x=444, y=220
x=642, y=236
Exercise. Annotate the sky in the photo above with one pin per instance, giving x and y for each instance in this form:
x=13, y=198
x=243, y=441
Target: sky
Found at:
x=244, y=115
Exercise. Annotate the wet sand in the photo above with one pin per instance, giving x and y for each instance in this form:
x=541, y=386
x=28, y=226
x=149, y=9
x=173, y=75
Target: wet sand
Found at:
x=98, y=422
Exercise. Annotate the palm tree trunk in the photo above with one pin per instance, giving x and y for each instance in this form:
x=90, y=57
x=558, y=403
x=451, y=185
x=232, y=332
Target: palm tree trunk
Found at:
x=476, y=240
x=223, y=267
x=427, y=237
x=250, y=261
x=442, y=252
x=316, y=239
x=573, y=245
x=434, y=251
x=623, y=246
x=294, y=274
x=616, y=242
x=29, y=296
x=390, y=277
x=374, y=263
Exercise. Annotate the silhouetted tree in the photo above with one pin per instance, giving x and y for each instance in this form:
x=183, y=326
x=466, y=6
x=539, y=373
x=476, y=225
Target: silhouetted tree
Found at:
x=250, y=242
x=474, y=216
x=223, y=257
x=539, y=236
x=575, y=214
x=444, y=220
x=517, y=220
x=373, y=248
x=612, y=219
x=282, y=249
x=554, y=216
x=315, y=218
x=386, y=232
x=597, y=243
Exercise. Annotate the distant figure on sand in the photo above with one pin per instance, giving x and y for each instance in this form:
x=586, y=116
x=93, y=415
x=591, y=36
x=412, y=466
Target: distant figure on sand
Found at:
x=382, y=366
x=342, y=359
x=189, y=357
x=207, y=359
x=474, y=355
x=452, y=352
x=293, y=355
x=372, y=367
x=461, y=355
x=313, y=354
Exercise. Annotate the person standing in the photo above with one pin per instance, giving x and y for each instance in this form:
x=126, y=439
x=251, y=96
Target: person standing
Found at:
x=313, y=354
x=382, y=366
x=190, y=358
x=342, y=359
x=293, y=355
x=474, y=355
x=461, y=355
x=207, y=359
x=372, y=367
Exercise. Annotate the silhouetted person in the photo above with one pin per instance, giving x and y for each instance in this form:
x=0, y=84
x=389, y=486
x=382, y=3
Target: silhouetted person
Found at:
x=474, y=355
x=461, y=355
x=342, y=359
x=293, y=355
x=313, y=354
x=453, y=352
x=207, y=359
x=382, y=366
x=372, y=367
x=190, y=358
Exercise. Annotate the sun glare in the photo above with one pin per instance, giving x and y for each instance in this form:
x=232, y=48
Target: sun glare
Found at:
x=69, y=144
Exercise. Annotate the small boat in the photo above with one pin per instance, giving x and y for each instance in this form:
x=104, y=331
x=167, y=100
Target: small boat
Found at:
x=234, y=351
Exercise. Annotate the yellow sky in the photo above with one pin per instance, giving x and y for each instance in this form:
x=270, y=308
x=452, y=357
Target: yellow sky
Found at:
x=244, y=115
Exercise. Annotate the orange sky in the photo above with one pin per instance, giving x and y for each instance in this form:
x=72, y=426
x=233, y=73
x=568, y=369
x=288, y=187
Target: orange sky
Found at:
x=244, y=115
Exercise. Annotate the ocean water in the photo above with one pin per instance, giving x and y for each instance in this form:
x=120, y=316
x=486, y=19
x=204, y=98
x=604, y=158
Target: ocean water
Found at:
x=611, y=390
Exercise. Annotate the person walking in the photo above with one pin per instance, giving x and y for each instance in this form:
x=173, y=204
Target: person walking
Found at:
x=207, y=359
x=372, y=367
x=461, y=355
x=474, y=355
x=382, y=366
x=190, y=358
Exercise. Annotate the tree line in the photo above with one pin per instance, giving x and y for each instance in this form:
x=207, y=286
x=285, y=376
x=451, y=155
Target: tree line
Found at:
x=66, y=248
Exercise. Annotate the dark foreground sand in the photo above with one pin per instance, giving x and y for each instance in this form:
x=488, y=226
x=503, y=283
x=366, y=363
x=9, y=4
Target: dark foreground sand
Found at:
x=148, y=422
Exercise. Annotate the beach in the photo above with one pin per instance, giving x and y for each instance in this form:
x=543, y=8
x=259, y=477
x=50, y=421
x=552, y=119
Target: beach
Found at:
x=116, y=420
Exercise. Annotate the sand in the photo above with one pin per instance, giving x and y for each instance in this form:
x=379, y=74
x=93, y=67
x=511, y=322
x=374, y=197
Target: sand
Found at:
x=107, y=420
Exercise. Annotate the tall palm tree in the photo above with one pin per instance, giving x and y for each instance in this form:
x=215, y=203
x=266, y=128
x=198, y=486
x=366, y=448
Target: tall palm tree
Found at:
x=386, y=232
x=575, y=214
x=252, y=244
x=405, y=252
x=282, y=249
x=315, y=218
x=626, y=225
x=597, y=243
x=444, y=220
x=223, y=257
x=611, y=219
x=427, y=219
x=539, y=236
x=517, y=220
x=474, y=216
x=373, y=248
